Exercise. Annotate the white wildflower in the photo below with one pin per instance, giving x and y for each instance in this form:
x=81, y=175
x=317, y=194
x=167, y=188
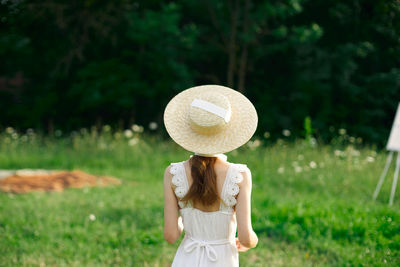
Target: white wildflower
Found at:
x=342, y=131
x=30, y=131
x=133, y=141
x=370, y=159
x=355, y=153
x=153, y=125
x=298, y=169
x=92, y=217
x=128, y=133
x=313, y=165
x=281, y=170
x=137, y=128
x=254, y=144
x=338, y=153
x=102, y=146
x=286, y=132
x=267, y=135
x=9, y=130
x=313, y=141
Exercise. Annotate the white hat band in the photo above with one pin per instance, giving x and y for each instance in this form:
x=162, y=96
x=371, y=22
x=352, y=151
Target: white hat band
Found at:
x=212, y=108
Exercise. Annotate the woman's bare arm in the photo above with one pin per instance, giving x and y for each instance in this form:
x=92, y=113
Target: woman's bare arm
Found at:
x=246, y=235
x=172, y=230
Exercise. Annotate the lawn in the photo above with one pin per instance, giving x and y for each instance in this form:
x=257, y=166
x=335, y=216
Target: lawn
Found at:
x=311, y=205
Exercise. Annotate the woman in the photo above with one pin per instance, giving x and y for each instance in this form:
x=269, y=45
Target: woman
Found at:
x=211, y=194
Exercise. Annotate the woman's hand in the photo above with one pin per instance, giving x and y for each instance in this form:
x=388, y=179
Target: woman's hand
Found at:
x=240, y=247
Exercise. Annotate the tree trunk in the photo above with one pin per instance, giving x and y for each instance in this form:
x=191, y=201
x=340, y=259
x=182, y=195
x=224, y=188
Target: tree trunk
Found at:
x=121, y=125
x=99, y=123
x=244, y=55
x=131, y=118
x=50, y=127
x=232, y=43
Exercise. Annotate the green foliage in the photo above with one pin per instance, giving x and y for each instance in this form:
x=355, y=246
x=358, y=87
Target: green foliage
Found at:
x=66, y=64
x=308, y=130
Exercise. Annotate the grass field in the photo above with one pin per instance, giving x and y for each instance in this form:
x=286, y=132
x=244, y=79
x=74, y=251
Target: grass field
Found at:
x=311, y=205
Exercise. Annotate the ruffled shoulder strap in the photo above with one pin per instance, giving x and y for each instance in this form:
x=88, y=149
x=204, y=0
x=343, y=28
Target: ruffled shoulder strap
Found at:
x=231, y=188
x=179, y=180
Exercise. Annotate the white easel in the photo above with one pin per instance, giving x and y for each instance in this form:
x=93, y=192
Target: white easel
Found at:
x=392, y=146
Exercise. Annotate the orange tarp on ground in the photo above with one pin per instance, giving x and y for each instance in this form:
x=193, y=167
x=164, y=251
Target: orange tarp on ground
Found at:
x=53, y=181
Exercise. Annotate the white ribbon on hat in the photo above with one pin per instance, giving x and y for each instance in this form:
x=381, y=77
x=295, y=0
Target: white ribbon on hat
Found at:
x=212, y=108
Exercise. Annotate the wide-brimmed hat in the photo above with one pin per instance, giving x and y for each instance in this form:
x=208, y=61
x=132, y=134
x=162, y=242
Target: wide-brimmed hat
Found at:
x=210, y=119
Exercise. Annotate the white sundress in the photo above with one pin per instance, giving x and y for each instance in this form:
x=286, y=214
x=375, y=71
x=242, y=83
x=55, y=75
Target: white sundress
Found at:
x=209, y=236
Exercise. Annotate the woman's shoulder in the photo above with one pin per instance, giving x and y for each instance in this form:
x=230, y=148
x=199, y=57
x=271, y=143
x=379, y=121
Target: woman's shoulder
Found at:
x=241, y=173
x=241, y=167
x=171, y=171
x=175, y=169
x=173, y=165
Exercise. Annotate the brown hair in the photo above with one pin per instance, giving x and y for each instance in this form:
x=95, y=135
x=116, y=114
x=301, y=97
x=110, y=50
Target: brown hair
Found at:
x=204, y=186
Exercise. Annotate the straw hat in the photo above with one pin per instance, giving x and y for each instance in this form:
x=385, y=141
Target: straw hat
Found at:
x=210, y=119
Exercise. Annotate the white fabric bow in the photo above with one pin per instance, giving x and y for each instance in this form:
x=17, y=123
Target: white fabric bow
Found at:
x=193, y=243
x=212, y=108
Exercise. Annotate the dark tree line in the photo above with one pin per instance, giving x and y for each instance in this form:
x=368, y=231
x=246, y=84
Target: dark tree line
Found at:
x=70, y=64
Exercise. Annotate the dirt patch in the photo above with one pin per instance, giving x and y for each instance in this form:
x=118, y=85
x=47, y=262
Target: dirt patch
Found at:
x=54, y=181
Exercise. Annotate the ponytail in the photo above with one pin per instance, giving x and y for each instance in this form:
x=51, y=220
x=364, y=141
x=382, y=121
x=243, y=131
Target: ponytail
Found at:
x=204, y=186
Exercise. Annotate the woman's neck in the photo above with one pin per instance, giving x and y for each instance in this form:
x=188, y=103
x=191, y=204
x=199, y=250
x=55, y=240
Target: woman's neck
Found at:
x=220, y=156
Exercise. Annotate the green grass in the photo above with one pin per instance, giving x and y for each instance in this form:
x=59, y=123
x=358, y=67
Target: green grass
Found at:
x=306, y=214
